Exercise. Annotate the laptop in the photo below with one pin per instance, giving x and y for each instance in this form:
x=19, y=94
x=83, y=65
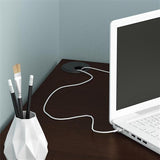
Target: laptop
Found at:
x=135, y=78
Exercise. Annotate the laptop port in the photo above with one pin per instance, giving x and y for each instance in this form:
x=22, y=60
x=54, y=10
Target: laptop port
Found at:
x=144, y=142
x=133, y=135
x=139, y=138
x=125, y=131
x=118, y=127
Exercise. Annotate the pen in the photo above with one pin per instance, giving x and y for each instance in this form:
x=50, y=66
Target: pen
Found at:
x=29, y=96
x=13, y=96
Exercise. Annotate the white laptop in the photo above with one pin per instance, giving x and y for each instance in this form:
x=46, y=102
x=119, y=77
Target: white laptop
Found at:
x=135, y=78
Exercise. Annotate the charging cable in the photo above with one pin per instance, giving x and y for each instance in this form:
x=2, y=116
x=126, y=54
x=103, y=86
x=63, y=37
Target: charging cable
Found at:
x=74, y=85
x=96, y=69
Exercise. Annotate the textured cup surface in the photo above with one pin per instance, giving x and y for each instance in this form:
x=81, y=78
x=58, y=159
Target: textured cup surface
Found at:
x=25, y=140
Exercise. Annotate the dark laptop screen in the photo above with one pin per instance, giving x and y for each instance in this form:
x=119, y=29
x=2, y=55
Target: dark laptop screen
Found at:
x=138, y=63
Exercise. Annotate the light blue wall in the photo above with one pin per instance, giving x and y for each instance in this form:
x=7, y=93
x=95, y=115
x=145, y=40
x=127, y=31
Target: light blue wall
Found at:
x=28, y=35
x=38, y=33
x=84, y=25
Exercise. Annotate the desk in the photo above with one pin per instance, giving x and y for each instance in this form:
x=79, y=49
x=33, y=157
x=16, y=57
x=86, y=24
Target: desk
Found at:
x=73, y=139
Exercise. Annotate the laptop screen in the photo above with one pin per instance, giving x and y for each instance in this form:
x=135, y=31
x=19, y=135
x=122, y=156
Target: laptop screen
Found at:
x=138, y=63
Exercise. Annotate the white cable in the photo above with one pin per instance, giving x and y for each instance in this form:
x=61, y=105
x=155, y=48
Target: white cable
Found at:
x=96, y=69
x=80, y=116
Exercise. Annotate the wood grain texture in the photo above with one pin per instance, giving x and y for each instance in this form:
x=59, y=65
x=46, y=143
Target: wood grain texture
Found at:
x=73, y=139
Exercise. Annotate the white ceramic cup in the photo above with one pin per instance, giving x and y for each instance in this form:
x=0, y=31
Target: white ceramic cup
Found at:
x=25, y=140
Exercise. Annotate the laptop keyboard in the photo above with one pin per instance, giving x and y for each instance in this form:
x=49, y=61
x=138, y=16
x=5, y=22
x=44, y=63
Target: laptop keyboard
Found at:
x=150, y=125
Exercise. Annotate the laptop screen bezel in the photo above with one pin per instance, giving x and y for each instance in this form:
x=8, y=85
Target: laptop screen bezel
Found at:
x=113, y=112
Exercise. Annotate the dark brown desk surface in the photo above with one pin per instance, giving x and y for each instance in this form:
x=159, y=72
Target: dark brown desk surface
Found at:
x=73, y=139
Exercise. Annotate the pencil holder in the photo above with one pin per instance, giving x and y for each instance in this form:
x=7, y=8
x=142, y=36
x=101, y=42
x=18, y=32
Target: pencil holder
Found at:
x=25, y=140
